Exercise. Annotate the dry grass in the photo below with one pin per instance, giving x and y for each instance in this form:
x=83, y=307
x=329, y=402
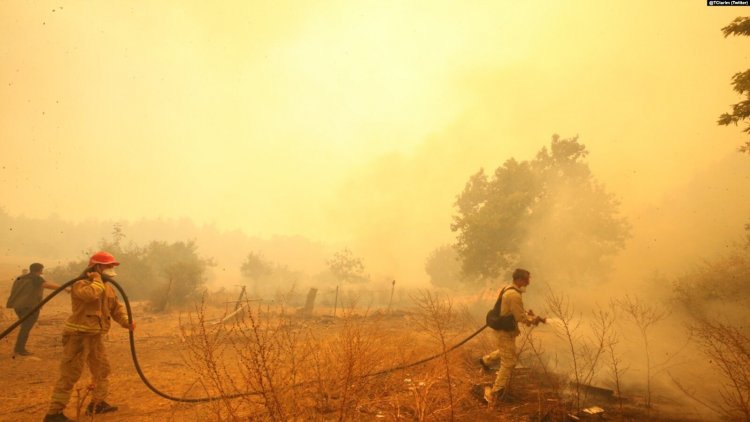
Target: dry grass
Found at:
x=299, y=370
x=321, y=369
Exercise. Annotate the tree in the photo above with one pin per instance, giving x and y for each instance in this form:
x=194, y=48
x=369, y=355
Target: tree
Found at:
x=347, y=268
x=256, y=267
x=443, y=267
x=134, y=274
x=180, y=271
x=492, y=218
x=740, y=82
x=547, y=213
x=162, y=272
x=118, y=234
x=266, y=274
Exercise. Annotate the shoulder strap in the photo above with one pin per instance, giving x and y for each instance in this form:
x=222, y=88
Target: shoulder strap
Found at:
x=499, y=302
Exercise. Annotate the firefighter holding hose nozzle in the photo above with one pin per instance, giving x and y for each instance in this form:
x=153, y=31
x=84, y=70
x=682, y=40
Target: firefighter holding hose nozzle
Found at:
x=504, y=319
x=94, y=306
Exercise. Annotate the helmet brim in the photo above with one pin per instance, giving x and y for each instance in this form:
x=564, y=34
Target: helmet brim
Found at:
x=115, y=263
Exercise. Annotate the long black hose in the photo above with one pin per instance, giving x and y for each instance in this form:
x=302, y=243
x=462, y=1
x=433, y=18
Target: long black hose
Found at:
x=427, y=359
x=156, y=391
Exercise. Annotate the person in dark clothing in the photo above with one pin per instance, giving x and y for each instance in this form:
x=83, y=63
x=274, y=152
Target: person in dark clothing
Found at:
x=24, y=296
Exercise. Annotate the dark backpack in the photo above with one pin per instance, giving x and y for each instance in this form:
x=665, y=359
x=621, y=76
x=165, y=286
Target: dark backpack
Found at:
x=501, y=323
x=15, y=292
x=26, y=292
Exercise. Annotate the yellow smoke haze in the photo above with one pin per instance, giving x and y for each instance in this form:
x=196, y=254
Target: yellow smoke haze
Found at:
x=354, y=123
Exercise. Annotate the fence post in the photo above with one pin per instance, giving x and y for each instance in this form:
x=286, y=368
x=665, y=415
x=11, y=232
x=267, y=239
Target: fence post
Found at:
x=390, y=302
x=310, y=303
x=336, y=301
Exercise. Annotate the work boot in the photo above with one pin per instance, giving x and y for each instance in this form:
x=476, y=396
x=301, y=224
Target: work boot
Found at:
x=487, y=369
x=100, y=407
x=57, y=417
x=493, y=398
x=24, y=353
x=489, y=396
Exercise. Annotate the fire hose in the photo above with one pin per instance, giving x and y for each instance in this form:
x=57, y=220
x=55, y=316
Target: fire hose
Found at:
x=160, y=393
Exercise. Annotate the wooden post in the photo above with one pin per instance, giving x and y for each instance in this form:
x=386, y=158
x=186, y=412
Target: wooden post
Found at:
x=239, y=300
x=310, y=303
x=390, y=302
x=166, y=295
x=336, y=301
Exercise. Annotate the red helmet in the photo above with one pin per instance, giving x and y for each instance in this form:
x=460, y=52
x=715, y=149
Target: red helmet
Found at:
x=102, y=257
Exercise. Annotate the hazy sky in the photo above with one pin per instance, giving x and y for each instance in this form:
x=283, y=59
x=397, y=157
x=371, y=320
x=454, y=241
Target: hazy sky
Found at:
x=336, y=119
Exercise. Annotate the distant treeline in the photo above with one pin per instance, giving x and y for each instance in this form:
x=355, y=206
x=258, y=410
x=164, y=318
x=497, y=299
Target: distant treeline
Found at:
x=55, y=238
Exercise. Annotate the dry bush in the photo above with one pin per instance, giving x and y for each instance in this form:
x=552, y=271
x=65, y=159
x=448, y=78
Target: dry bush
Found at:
x=644, y=317
x=262, y=350
x=341, y=362
x=541, y=363
x=445, y=377
x=728, y=350
x=356, y=366
x=586, y=353
x=559, y=307
x=602, y=327
x=296, y=370
x=436, y=317
x=269, y=353
x=206, y=351
x=616, y=366
x=697, y=290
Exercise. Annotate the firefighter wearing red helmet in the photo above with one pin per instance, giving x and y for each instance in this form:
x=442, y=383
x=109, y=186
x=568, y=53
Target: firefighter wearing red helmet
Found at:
x=103, y=258
x=94, y=306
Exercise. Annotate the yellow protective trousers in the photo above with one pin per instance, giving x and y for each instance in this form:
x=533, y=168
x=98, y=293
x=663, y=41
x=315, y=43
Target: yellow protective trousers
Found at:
x=80, y=349
x=506, y=354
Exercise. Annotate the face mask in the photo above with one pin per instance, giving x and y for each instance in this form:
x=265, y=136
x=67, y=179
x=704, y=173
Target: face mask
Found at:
x=109, y=272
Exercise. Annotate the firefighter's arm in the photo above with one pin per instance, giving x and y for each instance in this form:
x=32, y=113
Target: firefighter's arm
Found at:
x=89, y=290
x=53, y=286
x=516, y=308
x=120, y=315
x=48, y=285
x=535, y=319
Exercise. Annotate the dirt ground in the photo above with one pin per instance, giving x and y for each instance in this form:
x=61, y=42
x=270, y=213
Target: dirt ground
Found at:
x=26, y=382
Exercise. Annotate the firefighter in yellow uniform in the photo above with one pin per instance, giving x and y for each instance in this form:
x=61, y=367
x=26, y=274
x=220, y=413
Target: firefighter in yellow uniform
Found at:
x=506, y=353
x=94, y=305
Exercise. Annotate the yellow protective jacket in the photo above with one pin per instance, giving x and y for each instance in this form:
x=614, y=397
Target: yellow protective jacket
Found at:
x=94, y=306
x=513, y=304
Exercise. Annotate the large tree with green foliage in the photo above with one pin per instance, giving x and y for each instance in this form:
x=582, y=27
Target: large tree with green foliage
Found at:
x=740, y=83
x=548, y=212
